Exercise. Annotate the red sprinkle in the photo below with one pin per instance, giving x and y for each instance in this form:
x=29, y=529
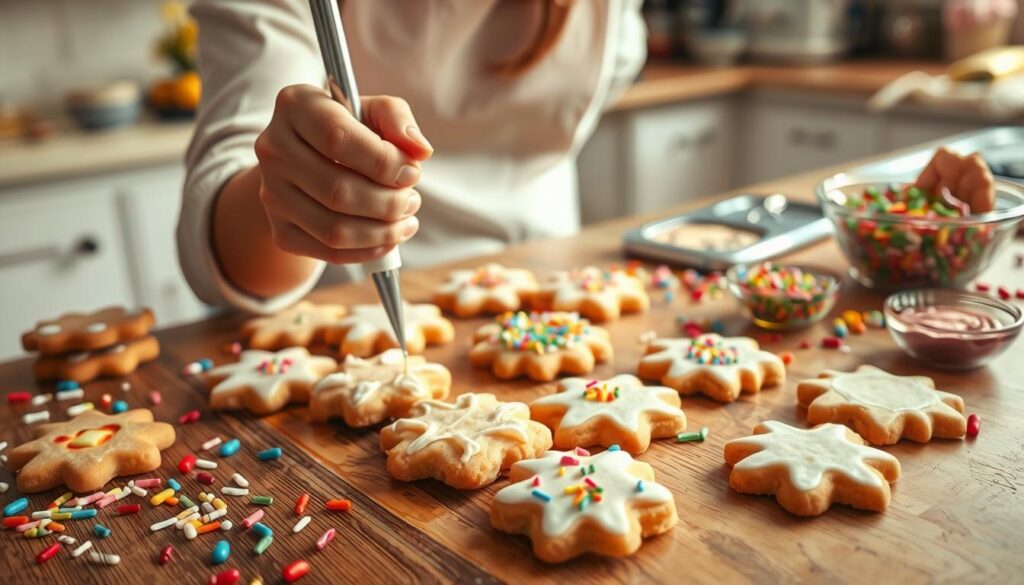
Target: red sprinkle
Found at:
x=12, y=521
x=229, y=577
x=16, y=397
x=300, y=506
x=339, y=505
x=786, y=357
x=295, y=571
x=831, y=342
x=205, y=478
x=48, y=553
x=189, y=417
x=982, y=287
x=105, y=401
x=973, y=425
x=187, y=463
x=1004, y=293
x=805, y=344
x=166, y=554
x=125, y=509
x=1020, y=293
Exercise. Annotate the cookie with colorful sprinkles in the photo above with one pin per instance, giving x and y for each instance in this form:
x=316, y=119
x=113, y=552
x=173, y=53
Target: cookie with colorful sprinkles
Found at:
x=491, y=289
x=618, y=411
x=810, y=469
x=571, y=503
x=264, y=382
x=367, y=331
x=300, y=325
x=599, y=295
x=540, y=345
x=720, y=367
x=466, y=444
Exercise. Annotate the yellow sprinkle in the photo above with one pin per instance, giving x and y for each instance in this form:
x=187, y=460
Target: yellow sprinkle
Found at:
x=161, y=497
x=219, y=504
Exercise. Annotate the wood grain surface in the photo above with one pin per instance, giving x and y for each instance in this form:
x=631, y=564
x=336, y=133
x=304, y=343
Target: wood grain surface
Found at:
x=957, y=513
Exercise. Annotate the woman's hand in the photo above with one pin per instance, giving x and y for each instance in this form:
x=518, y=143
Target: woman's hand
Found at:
x=336, y=189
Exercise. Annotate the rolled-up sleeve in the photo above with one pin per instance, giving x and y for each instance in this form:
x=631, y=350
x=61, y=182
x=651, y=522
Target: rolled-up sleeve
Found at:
x=248, y=51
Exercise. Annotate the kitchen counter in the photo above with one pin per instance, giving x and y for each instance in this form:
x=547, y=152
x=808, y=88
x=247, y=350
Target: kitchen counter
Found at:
x=956, y=513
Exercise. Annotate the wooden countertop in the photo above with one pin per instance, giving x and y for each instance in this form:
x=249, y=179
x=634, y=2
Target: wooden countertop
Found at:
x=956, y=513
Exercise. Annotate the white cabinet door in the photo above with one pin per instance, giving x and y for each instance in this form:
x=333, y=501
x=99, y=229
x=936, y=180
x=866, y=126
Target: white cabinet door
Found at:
x=602, y=168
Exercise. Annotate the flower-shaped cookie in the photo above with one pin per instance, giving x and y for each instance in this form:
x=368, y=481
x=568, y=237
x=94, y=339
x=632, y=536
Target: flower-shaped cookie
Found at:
x=810, y=469
x=264, y=381
x=882, y=407
x=89, y=450
x=540, y=345
x=465, y=444
x=367, y=391
x=571, y=503
x=599, y=295
x=720, y=367
x=301, y=325
x=492, y=288
x=618, y=411
x=367, y=331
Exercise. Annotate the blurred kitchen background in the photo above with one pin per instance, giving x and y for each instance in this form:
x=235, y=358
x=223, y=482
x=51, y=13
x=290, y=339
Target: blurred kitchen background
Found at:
x=96, y=101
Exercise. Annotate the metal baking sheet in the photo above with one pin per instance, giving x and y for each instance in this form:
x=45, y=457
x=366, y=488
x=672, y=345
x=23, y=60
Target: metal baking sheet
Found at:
x=798, y=225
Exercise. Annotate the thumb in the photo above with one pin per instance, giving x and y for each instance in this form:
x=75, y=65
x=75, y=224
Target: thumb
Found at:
x=392, y=119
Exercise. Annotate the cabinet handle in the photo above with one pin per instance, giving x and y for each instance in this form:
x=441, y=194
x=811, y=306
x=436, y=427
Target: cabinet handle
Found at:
x=85, y=246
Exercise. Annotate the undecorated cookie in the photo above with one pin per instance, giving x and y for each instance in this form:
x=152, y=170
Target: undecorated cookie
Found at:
x=117, y=360
x=264, y=382
x=491, y=289
x=367, y=331
x=301, y=325
x=73, y=332
x=599, y=295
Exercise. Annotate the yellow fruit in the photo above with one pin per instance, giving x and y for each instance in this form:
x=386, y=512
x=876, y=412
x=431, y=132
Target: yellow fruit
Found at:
x=187, y=89
x=161, y=95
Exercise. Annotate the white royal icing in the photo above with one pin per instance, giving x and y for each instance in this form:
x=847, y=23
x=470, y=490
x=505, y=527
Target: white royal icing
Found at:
x=508, y=283
x=97, y=327
x=369, y=320
x=883, y=390
x=49, y=329
x=245, y=373
x=634, y=400
x=615, y=284
x=611, y=474
x=675, y=351
x=361, y=390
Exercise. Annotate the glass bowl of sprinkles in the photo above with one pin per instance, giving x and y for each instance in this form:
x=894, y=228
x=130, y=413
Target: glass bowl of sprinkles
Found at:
x=780, y=296
x=896, y=236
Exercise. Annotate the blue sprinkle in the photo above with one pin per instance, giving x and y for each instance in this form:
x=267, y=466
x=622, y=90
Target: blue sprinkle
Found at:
x=67, y=385
x=173, y=484
x=101, y=531
x=270, y=454
x=206, y=364
x=262, y=529
x=81, y=514
x=614, y=448
x=230, y=448
x=119, y=406
x=221, y=552
x=640, y=485
x=16, y=506
x=541, y=495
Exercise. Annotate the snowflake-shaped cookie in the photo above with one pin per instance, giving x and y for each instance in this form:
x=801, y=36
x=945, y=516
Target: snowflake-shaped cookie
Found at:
x=599, y=295
x=301, y=325
x=809, y=469
x=617, y=411
x=367, y=331
x=368, y=391
x=882, y=407
x=491, y=288
x=720, y=367
x=265, y=381
x=571, y=503
x=540, y=345
x=465, y=444
x=89, y=450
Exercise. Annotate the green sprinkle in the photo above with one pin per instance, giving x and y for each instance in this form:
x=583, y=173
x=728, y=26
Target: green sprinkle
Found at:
x=694, y=436
x=263, y=544
x=262, y=500
x=185, y=502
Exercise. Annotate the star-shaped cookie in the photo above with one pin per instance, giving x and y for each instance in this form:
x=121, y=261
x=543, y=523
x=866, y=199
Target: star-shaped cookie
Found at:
x=720, y=367
x=571, y=503
x=264, y=382
x=491, y=288
x=599, y=295
x=540, y=345
x=368, y=391
x=617, y=411
x=882, y=407
x=301, y=325
x=367, y=331
x=73, y=332
x=465, y=444
x=810, y=469
x=89, y=450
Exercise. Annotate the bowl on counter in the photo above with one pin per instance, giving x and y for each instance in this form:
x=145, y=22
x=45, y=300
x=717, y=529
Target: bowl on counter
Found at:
x=896, y=251
x=774, y=305
x=951, y=329
x=107, y=106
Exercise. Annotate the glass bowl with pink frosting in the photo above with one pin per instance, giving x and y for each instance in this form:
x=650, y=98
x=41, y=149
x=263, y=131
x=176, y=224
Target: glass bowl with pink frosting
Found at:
x=952, y=329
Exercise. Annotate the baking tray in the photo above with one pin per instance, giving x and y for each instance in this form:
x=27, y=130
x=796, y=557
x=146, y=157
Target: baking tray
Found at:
x=794, y=227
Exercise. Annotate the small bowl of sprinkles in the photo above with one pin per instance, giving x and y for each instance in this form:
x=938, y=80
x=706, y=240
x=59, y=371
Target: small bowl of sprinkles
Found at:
x=780, y=296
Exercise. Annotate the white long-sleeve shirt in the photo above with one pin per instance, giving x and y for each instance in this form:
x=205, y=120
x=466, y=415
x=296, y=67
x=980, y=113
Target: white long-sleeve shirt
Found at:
x=503, y=169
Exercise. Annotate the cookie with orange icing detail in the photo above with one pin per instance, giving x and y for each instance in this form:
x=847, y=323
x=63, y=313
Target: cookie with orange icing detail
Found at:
x=89, y=450
x=720, y=367
x=599, y=295
x=264, y=382
x=810, y=469
x=303, y=324
x=491, y=289
x=119, y=359
x=882, y=407
x=368, y=391
x=618, y=411
x=367, y=331
x=465, y=444
x=76, y=332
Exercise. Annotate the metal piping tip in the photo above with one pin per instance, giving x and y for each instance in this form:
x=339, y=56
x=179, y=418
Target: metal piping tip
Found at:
x=390, y=294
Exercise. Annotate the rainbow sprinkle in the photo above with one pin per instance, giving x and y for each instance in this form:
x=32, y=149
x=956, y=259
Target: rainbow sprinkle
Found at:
x=711, y=350
x=540, y=332
x=541, y=495
x=274, y=365
x=600, y=392
x=485, y=277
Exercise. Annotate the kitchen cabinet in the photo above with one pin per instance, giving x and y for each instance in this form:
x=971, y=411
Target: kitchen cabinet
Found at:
x=903, y=130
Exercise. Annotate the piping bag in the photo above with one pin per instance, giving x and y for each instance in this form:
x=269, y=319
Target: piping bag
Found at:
x=341, y=81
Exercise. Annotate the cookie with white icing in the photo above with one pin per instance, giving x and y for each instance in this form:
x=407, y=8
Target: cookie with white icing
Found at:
x=571, y=503
x=119, y=359
x=883, y=408
x=302, y=325
x=367, y=331
x=75, y=332
x=264, y=382
x=599, y=295
x=368, y=391
x=720, y=367
x=617, y=411
x=466, y=444
x=810, y=469
x=540, y=346
x=491, y=289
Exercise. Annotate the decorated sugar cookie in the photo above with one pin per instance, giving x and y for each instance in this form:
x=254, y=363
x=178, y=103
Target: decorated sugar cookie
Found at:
x=492, y=288
x=368, y=391
x=465, y=444
x=89, y=450
x=74, y=332
x=301, y=325
x=570, y=503
x=367, y=331
x=617, y=411
x=540, y=345
x=119, y=359
x=265, y=381
x=882, y=407
x=810, y=469
x=599, y=295
x=720, y=367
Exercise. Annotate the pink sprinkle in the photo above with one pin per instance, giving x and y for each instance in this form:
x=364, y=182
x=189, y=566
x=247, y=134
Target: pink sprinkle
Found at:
x=155, y=397
x=86, y=500
x=105, y=501
x=26, y=526
x=591, y=383
x=327, y=537
x=589, y=482
x=148, y=482
x=580, y=451
x=235, y=348
x=252, y=519
x=568, y=460
x=536, y=481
